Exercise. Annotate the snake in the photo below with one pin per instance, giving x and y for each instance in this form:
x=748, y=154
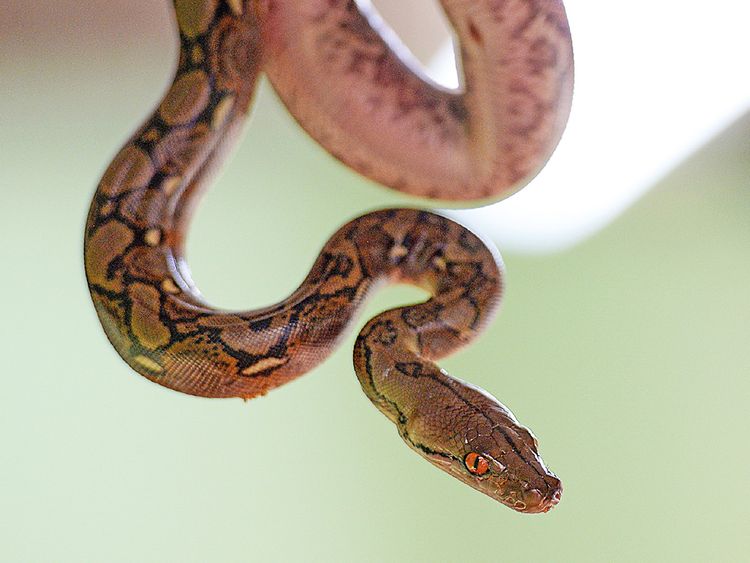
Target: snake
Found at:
x=357, y=91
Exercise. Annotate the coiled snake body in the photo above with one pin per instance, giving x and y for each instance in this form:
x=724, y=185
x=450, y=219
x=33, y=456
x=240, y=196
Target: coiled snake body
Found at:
x=368, y=106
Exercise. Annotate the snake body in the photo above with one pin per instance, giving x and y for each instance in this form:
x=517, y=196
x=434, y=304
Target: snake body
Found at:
x=392, y=125
x=406, y=132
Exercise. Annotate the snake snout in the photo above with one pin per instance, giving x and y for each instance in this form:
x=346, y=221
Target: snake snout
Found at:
x=536, y=501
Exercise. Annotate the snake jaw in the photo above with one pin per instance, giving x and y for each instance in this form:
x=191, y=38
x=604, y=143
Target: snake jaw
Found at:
x=518, y=495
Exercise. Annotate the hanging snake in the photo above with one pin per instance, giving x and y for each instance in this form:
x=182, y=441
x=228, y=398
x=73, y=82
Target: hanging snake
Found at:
x=354, y=88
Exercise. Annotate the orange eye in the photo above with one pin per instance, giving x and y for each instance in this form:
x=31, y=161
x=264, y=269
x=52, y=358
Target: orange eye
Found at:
x=476, y=464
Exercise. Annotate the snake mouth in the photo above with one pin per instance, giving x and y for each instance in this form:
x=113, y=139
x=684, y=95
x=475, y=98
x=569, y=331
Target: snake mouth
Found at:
x=531, y=499
x=535, y=502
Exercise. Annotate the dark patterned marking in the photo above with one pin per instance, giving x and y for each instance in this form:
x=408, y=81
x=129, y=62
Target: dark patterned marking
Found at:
x=160, y=324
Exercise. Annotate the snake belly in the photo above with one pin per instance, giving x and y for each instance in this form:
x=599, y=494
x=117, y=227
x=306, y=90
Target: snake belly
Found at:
x=156, y=319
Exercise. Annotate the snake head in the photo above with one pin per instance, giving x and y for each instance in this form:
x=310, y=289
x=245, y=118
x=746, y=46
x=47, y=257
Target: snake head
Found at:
x=486, y=448
x=503, y=462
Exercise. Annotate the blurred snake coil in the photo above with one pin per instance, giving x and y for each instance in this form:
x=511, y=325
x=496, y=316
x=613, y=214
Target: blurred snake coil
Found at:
x=357, y=92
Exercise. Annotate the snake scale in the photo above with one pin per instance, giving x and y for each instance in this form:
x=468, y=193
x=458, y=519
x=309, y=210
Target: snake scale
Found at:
x=353, y=87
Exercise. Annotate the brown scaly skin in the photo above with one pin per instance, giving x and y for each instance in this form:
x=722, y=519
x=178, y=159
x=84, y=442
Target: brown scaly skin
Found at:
x=158, y=322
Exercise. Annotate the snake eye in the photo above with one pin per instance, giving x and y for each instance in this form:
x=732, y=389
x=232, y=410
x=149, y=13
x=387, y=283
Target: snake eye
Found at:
x=476, y=464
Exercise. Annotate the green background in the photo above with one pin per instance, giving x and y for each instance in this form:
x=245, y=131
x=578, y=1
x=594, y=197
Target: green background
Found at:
x=627, y=355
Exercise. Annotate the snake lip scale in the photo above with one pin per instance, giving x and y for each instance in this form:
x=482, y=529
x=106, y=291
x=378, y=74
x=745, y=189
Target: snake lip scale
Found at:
x=352, y=88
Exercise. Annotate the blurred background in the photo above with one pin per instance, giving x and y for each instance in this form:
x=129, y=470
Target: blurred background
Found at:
x=626, y=351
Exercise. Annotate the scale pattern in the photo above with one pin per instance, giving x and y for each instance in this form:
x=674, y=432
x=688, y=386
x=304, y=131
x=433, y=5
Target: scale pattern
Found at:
x=157, y=320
